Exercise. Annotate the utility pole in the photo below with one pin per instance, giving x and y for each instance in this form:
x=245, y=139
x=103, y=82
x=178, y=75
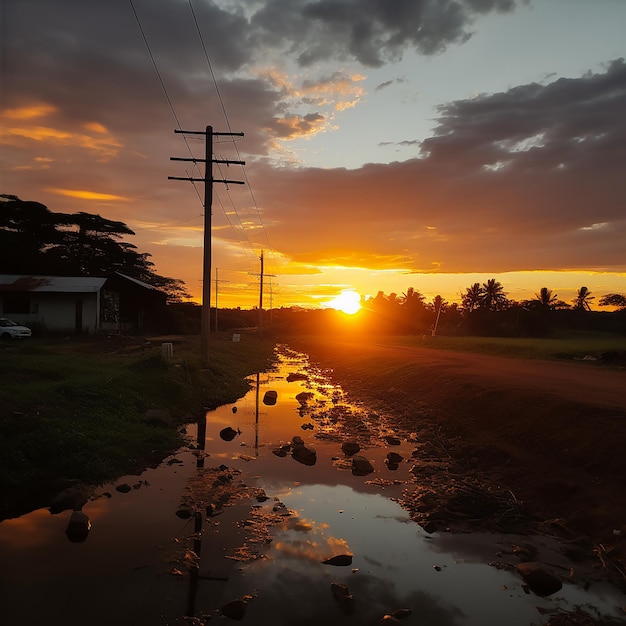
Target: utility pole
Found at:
x=261, y=275
x=208, y=180
x=216, y=286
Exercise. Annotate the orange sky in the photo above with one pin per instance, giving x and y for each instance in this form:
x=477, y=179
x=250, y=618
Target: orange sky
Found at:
x=383, y=152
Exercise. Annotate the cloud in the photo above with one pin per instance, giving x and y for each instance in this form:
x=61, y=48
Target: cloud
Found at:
x=562, y=144
x=371, y=32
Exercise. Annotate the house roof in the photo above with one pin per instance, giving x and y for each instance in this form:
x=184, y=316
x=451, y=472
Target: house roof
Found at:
x=61, y=284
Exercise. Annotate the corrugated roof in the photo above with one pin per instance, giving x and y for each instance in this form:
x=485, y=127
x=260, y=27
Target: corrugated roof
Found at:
x=61, y=284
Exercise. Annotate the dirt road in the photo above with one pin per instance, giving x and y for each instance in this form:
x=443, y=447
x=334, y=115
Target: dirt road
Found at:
x=553, y=433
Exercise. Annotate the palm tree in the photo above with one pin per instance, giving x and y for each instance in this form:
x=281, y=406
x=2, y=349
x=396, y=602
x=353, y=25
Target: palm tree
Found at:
x=582, y=300
x=546, y=299
x=471, y=298
x=493, y=297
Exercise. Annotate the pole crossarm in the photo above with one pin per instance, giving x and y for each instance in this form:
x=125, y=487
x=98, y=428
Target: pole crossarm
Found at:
x=194, y=160
x=201, y=180
x=202, y=132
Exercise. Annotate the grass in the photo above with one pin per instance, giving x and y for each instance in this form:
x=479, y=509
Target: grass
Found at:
x=75, y=410
x=572, y=346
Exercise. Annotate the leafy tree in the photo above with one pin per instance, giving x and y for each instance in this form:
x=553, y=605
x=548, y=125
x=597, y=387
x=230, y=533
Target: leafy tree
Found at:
x=493, y=297
x=613, y=299
x=583, y=299
x=34, y=240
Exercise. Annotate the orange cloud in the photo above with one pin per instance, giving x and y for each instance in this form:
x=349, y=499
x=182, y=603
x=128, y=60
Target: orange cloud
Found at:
x=29, y=112
x=84, y=194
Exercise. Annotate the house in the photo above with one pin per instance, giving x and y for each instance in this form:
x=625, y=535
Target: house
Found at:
x=80, y=304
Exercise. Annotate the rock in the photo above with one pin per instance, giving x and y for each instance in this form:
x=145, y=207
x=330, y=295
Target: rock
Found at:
x=304, y=396
x=297, y=441
x=341, y=560
x=183, y=513
x=123, y=488
x=158, y=417
x=71, y=498
x=343, y=597
x=392, y=440
x=270, y=397
x=228, y=433
x=430, y=527
x=304, y=455
x=394, y=458
x=539, y=578
x=402, y=613
x=350, y=447
x=361, y=466
x=389, y=619
x=235, y=609
x=78, y=527
x=234, y=409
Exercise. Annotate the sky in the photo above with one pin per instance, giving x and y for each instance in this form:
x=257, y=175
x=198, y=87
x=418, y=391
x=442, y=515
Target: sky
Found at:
x=388, y=144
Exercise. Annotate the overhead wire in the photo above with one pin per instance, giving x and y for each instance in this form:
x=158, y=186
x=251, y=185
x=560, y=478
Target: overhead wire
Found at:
x=223, y=107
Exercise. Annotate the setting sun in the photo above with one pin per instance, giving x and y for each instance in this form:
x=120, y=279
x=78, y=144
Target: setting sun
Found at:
x=348, y=302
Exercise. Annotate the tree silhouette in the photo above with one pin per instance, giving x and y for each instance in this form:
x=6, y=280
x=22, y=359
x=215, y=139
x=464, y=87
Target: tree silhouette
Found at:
x=613, y=299
x=493, y=297
x=583, y=299
x=34, y=240
x=472, y=297
x=546, y=299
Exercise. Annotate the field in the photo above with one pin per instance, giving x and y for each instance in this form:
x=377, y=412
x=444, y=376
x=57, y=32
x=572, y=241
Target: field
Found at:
x=76, y=410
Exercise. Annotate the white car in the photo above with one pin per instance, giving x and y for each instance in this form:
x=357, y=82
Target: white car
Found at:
x=12, y=330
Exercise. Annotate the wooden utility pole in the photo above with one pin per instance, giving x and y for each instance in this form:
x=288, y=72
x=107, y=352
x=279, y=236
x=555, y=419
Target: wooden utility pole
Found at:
x=261, y=275
x=208, y=180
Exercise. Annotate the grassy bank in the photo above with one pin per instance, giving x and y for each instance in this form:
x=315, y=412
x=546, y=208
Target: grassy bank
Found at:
x=76, y=409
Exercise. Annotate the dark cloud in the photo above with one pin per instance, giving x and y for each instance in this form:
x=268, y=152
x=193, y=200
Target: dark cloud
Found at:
x=371, y=31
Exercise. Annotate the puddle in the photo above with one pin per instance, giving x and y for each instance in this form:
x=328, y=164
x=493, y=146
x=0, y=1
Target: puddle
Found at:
x=175, y=545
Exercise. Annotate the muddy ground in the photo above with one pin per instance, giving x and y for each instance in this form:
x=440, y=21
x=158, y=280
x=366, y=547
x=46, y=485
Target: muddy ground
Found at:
x=505, y=444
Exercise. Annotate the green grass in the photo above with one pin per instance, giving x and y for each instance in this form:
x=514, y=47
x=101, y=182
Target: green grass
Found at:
x=75, y=410
x=573, y=346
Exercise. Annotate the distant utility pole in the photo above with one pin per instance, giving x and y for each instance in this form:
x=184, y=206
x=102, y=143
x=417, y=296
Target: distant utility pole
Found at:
x=208, y=180
x=261, y=275
x=217, y=281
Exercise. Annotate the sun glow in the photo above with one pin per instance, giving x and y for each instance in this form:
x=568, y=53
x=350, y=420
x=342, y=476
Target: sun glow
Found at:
x=347, y=301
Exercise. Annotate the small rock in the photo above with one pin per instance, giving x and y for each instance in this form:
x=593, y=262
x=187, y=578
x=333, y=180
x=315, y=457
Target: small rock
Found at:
x=235, y=609
x=361, y=466
x=183, y=513
x=340, y=560
x=78, y=527
x=401, y=613
x=392, y=440
x=270, y=397
x=350, y=447
x=304, y=455
x=539, y=579
x=394, y=457
x=228, y=433
x=123, y=488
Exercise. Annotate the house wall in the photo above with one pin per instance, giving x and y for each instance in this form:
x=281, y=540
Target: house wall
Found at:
x=56, y=312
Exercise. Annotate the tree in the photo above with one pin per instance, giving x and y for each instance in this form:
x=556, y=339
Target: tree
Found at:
x=613, y=299
x=472, y=297
x=583, y=299
x=493, y=297
x=545, y=300
x=34, y=240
